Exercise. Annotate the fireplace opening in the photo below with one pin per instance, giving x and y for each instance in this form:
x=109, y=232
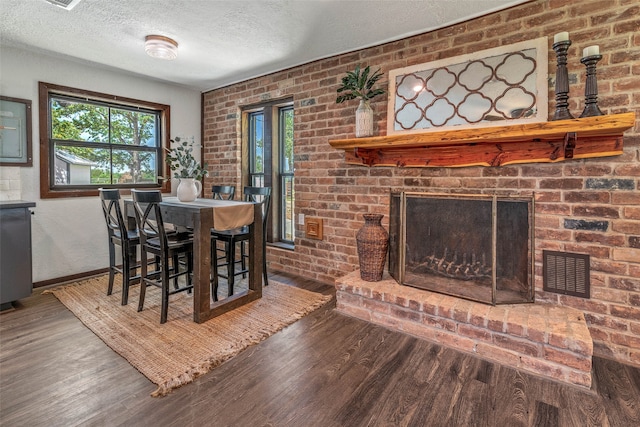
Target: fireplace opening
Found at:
x=475, y=247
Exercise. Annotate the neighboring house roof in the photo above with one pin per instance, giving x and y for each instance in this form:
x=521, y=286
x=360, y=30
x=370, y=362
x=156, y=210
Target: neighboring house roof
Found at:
x=73, y=159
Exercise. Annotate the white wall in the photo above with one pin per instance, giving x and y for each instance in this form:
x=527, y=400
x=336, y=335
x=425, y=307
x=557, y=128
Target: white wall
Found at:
x=69, y=235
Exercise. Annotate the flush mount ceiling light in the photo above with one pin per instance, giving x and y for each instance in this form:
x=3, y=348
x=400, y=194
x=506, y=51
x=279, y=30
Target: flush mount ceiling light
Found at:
x=161, y=47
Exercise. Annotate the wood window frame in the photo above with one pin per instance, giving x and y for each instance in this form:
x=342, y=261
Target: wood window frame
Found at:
x=270, y=110
x=45, y=90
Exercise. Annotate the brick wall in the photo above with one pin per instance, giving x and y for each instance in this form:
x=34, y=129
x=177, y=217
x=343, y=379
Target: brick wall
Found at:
x=585, y=206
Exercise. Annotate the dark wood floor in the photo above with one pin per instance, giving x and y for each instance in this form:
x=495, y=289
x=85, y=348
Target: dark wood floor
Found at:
x=325, y=370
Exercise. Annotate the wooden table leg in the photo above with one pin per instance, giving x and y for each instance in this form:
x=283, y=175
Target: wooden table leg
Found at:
x=256, y=252
x=202, y=266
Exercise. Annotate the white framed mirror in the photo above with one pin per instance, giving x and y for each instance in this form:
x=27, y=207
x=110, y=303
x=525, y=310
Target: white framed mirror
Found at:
x=494, y=87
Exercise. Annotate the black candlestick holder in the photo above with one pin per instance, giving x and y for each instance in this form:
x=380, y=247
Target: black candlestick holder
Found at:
x=562, y=81
x=591, y=88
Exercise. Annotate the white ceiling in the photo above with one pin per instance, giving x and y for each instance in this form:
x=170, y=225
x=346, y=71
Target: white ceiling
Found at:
x=223, y=41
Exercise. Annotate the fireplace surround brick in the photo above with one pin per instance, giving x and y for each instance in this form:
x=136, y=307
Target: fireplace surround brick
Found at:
x=327, y=188
x=543, y=339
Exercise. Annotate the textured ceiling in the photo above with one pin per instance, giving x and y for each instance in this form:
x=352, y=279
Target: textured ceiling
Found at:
x=223, y=42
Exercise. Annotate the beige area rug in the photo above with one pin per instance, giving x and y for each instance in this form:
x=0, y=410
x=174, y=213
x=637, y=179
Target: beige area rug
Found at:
x=179, y=351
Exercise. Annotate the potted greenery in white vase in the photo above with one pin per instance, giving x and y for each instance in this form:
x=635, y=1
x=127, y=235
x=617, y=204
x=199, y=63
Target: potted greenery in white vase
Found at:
x=186, y=168
x=359, y=84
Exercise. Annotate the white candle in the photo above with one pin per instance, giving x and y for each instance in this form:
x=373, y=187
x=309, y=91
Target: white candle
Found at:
x=591, y=51
x=561, y=37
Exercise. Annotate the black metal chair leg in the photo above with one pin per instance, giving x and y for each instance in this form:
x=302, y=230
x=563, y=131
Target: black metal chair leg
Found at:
x=112, y=263
x=133, y=269
x=231, y=266
x=143, y=284
x=243, y=260
x=264, y=265
x=189, y=276
x=126, y=273
x=214, y=269
x=164, y=309
x=176, y=269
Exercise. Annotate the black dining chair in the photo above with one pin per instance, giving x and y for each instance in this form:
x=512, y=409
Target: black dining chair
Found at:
x=230, y=238
x=220, y=192
x=223, y=192
x=166, y=246
x=127, y=240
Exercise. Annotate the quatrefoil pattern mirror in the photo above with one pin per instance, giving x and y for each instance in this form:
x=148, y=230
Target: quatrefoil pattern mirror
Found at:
x=500, y=86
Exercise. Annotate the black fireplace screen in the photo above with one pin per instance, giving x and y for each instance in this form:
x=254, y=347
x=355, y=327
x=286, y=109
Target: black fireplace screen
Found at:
x=470, y=246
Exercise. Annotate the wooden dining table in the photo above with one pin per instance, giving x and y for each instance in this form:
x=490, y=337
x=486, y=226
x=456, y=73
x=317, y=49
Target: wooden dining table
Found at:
x=201, y=216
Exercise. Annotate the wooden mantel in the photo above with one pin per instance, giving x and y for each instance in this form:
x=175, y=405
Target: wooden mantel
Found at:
x=555, y=141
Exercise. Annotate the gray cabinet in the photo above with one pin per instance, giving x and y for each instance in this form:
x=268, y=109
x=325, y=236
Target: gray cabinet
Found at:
x=15, y=251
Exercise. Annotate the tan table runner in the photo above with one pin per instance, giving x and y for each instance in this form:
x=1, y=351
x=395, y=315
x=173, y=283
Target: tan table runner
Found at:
x=227, y=214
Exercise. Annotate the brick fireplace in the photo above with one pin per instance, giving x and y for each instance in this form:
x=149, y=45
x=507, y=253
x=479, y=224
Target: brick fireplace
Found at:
x=460, y=274
x=589, y=206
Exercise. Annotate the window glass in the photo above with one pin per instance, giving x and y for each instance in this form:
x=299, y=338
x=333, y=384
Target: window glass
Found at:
x=133, y=128
x=134, y=167
x=80, y=166
x=79, y=121
x=287, y=196
x=257, y=142
x=286, y=125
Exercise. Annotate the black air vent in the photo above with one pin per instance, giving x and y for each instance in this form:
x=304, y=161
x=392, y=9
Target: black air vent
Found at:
x=65, y=4
x=566, y=273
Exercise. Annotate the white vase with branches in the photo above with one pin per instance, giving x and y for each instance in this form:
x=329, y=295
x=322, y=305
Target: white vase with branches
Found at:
x=186, y=168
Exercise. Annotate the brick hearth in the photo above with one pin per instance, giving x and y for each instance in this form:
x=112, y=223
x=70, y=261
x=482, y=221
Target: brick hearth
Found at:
x=542, y=339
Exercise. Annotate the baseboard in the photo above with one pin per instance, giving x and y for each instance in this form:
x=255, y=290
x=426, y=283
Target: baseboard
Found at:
x=70, y=278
